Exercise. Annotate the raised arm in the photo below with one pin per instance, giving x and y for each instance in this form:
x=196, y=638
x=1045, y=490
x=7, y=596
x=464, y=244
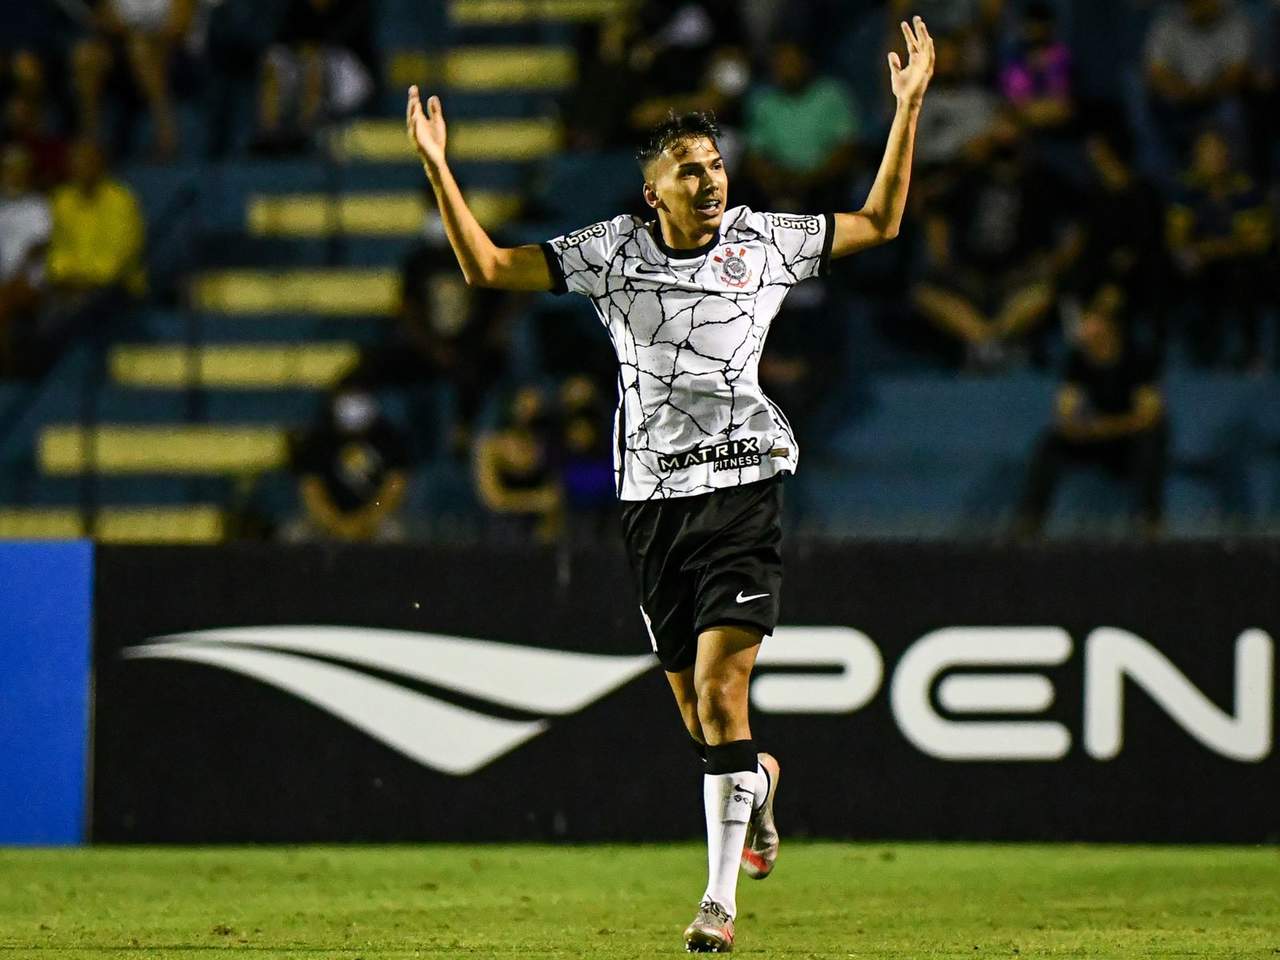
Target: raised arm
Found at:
x=484, y=264
x=879, y=219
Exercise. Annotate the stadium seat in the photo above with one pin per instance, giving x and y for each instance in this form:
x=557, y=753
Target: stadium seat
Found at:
x=180, y=449
x=489, y=12
x=175, y=525
x=384, y=140
x=365, y=214
x=338, y=291
x=313, y=365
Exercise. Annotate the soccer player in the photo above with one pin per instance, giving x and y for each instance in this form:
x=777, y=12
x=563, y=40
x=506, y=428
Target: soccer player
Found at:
x=687, y=299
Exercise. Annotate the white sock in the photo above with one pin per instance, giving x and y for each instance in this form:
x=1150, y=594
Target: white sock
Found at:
x=728, y=810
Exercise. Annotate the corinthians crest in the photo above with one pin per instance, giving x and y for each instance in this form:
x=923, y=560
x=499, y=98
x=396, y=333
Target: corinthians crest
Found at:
x=734, y=271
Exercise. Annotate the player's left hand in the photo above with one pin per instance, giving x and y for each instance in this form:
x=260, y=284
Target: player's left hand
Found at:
x=910, y=82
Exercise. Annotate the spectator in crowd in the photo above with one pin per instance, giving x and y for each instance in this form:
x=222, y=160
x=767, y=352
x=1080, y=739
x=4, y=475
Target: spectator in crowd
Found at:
x=353, y=472
x=94, y=264
x=98, y=231
x=31, y=35
x=445, y=332
x=597, y=113
x=1036, y=77
x=1123, y=218
x=669, y=36
x=958, y=114
x=1197, y=64
x=723, y=84
x=25, y=226
x=143, y=36
x=22, y=73
x=994, y=251
x=321, y=66
x=636, y=68
x=236, y=36
x=802, y=134
x=514, y=475
x=804, y=364
x=1219, y=230
x=1110, y=414
x=26, y=121
x=586, y=456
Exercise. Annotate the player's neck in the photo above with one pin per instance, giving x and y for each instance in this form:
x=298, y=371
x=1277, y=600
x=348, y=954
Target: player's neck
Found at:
x=675, y=242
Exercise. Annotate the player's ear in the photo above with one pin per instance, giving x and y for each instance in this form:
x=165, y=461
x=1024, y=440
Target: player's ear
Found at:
x=651, y=195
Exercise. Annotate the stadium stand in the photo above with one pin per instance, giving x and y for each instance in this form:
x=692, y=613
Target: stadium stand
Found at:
x=273, y=277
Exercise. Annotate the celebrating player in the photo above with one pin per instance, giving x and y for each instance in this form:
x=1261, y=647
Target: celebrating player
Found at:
x=687, y=300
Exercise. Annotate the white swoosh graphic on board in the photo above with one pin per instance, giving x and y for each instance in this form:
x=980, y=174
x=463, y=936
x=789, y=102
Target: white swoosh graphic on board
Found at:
x=449, y=738
x=440, y=735
x=535, y=679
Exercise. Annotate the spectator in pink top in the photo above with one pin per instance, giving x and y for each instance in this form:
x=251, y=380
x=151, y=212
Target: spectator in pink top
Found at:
x=1036, y=79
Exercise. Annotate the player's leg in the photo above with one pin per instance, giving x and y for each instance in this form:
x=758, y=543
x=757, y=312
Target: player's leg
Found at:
x=721, y=675
x=726, y=657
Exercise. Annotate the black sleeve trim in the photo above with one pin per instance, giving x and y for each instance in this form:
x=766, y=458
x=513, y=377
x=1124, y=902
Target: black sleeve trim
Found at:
x=824, y=264
x=558, y=286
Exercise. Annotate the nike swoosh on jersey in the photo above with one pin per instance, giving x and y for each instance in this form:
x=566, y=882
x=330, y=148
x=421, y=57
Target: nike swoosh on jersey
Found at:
x=755, y=596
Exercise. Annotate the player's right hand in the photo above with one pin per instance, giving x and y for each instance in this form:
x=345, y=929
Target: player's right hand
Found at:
x=426, y=128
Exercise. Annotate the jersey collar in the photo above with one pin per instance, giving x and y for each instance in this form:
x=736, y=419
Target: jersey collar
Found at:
x=655, y=231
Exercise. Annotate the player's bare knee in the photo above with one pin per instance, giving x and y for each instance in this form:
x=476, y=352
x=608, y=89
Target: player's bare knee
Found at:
x=719, y=703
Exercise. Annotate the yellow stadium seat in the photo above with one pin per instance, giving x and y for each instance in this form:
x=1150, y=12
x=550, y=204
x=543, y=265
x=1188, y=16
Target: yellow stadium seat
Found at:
x=184, y=524
x=494, y=140
x=406, y=67
x=234, y=366
x=200, y=523
x=34, y=523
x=371, y=214
x=479, y=12
x=332, y=292
x=510, y=68
x=166, y=449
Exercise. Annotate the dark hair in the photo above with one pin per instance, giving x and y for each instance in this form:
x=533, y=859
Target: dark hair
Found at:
x=676, y=129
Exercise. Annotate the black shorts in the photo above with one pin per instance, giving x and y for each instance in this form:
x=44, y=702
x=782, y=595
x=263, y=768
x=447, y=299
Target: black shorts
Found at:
x=706, y=561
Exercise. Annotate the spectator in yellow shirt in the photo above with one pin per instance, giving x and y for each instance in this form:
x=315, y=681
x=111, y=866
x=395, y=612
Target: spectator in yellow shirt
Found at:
x=98, y=230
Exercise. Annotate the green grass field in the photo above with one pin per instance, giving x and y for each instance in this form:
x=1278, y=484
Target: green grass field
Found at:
x=825, y=900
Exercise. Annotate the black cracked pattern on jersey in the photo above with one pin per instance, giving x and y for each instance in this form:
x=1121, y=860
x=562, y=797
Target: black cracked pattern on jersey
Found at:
x=688, y=343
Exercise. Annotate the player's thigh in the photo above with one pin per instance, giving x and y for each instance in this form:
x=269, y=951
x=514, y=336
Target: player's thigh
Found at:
x=726, y=656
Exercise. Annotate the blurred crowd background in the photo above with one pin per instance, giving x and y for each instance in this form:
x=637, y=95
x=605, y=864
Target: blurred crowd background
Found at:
x=228, y=310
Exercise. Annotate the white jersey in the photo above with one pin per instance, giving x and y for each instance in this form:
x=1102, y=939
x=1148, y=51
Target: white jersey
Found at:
x=688, y=327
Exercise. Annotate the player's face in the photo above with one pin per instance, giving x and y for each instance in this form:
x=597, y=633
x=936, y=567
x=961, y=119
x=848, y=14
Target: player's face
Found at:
x=689, y=187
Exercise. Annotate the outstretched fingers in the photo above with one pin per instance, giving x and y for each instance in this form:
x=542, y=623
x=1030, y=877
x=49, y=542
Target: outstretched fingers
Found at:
x=923, y=38
x=909, y=35
x=922, y=31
